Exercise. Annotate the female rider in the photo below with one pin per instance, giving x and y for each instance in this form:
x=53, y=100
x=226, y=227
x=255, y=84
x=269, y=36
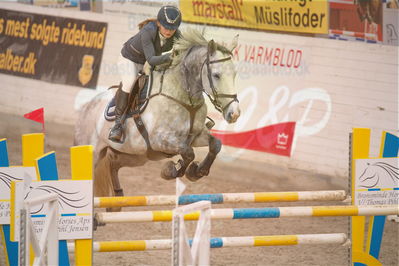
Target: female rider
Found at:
x=155, y=37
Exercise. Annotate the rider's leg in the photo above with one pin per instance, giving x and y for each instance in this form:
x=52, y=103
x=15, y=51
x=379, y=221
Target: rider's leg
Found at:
x=121, y=99
x=128, y=71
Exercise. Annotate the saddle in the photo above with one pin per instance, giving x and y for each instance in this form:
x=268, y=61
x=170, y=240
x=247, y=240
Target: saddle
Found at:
x=138, y=98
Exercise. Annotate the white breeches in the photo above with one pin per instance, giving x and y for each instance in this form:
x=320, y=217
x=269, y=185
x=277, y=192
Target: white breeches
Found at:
x=128, y=71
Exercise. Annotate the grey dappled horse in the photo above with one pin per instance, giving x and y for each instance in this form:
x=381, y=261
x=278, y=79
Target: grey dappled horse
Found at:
x=174, y=117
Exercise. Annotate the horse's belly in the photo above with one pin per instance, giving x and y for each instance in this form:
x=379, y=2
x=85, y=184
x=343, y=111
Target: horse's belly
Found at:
x=167, y=125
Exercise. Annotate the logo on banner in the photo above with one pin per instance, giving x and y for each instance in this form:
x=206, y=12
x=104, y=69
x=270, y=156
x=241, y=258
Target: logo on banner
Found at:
x=86, y=71
x=282, y=139
x=377, y=181
x=379, y=174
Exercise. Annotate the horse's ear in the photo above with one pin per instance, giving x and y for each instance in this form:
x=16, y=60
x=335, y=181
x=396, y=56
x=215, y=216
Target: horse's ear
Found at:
x=233, y=44
x=212, y=46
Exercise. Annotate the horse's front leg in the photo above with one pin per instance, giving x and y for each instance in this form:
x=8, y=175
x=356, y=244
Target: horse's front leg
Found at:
x=195, y=171
x=172, y=170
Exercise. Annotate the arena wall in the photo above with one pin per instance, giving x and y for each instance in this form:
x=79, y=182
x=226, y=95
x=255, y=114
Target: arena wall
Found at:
x=326, y=86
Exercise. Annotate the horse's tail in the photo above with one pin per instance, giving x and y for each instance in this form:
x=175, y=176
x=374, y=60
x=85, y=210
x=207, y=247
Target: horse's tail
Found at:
x=105, y=174
x=102, y=176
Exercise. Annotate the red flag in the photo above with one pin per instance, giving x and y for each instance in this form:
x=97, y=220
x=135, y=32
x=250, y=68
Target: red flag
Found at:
x=36, y=115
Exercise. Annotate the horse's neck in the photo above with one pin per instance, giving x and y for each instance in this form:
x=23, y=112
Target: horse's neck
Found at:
x=174, y=84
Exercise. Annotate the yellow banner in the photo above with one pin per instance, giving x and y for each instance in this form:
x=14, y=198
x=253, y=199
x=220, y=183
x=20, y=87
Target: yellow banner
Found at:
x=306, y=16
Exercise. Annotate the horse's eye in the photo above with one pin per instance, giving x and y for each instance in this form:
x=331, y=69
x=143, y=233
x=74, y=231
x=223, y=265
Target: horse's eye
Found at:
x=216, y=76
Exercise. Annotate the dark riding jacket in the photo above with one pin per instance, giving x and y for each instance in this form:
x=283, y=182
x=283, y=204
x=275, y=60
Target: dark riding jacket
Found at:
x=146, y=46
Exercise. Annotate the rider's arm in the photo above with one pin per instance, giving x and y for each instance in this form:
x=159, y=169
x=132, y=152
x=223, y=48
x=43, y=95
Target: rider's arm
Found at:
x=149, y=51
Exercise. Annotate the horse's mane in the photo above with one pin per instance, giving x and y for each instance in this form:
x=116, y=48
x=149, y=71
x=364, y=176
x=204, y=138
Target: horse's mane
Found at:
x=189, y=38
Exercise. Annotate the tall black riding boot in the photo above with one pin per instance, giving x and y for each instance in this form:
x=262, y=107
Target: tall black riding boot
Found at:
x=121, y=100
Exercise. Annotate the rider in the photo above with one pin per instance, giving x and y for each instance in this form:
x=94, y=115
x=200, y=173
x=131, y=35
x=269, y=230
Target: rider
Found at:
x=155, y=37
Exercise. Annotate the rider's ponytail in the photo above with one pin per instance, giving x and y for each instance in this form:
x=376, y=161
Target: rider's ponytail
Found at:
x=145, y=22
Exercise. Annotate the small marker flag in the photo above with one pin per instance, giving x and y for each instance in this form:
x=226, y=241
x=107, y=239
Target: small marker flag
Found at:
x=37, y=116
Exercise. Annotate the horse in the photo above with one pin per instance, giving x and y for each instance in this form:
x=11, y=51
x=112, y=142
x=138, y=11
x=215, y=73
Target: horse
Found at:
x=173, y=120
x=370, y=10
x=379, y=174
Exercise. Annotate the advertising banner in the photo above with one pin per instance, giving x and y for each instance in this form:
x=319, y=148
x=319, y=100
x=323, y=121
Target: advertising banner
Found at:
x=53, y=49
x=75, y=201
x=279, y=15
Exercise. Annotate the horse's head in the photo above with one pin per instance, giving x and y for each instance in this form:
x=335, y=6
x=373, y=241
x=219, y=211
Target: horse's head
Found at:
x=207, y=67
x=218, y=76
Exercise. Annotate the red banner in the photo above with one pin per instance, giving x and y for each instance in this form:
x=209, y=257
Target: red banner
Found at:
x=275, y=139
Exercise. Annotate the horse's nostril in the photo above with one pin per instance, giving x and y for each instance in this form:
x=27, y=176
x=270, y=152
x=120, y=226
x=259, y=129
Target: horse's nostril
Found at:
x=232, y=116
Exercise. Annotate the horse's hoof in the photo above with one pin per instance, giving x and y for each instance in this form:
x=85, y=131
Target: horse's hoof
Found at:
x=192, y=173
x=203, y=171
x=180, y=169
x=169, y=171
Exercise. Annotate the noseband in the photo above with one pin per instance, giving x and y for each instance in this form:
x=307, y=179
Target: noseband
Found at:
x=216, y=96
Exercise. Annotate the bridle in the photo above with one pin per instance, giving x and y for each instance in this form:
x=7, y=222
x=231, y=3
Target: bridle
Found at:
x=216, y=96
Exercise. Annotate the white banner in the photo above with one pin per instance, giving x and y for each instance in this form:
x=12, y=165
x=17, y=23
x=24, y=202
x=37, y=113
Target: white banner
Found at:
x=75, y=201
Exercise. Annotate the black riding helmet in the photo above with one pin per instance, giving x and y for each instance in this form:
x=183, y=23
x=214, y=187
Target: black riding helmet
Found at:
x=169, y=17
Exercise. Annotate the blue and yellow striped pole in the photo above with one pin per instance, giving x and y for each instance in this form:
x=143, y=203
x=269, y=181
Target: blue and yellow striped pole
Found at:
x=249, y=213
x=255, y=197
x=221, y=242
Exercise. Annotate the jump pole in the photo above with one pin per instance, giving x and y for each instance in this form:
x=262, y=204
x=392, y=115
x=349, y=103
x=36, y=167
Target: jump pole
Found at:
x=250, y=213
x=255, y=197
x=221, y=242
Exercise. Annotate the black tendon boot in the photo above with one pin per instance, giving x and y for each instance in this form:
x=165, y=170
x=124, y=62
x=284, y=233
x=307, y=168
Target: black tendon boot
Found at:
x=121, y=100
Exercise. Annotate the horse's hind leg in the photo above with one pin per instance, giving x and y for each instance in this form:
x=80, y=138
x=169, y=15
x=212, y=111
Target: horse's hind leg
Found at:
x=172, y=170
x=195, y=171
